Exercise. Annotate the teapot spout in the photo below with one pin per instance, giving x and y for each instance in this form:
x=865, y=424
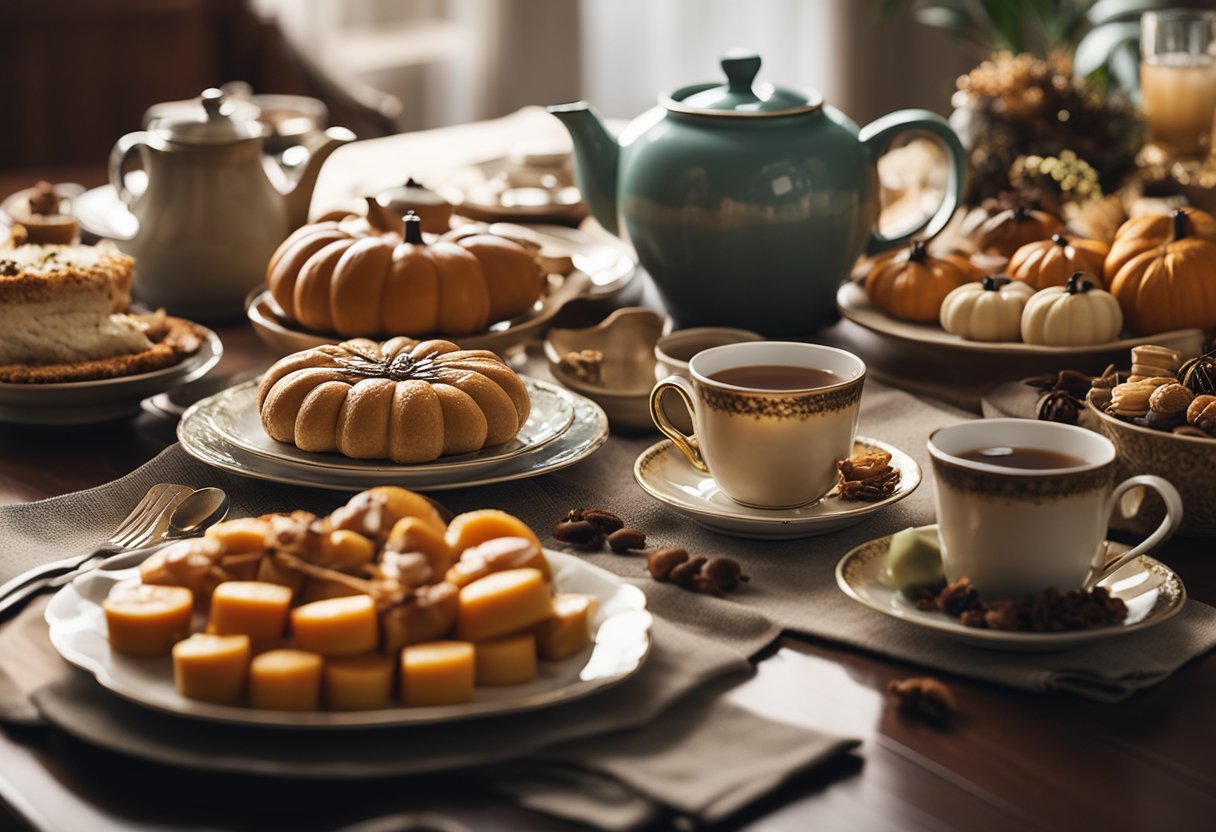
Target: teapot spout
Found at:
x=318, y=147
x=596, y=156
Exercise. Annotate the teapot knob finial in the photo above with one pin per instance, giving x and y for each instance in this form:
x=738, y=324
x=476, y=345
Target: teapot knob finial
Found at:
x=740, y=66
x=213, y=99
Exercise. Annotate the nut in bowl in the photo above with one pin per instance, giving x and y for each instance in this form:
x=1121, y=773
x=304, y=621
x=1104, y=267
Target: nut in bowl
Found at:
x=1161, y=421
x=611, y=363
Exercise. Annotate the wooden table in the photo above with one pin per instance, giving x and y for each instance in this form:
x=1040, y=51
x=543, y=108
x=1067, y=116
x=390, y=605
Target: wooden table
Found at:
x=1011, y=760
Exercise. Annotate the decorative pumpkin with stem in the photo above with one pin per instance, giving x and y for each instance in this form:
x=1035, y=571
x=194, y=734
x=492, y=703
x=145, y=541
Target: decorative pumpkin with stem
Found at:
x=990, y=310
x=1076, y=314
x=1150, y=232
x=1051, y=262
x=1165, y=284
x=912, y=285
x=1005, y=232
x=366, y=277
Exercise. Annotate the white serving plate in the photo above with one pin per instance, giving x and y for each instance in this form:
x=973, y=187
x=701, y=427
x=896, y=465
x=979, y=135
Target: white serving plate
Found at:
x=201, y=438
x=1152, y=591
x=622, y=643
x=663, y=473
x=234, y=414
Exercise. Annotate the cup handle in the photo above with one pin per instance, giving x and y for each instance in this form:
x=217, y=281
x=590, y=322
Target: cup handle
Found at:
x=877, y=135
x=1169, y=524
x=687, y=444
x=119, y=157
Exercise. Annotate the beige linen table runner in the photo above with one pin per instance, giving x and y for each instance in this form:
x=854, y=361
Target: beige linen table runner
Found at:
x=699, y=641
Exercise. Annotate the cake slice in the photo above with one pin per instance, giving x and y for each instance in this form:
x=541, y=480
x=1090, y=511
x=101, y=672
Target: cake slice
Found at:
x=63, y=317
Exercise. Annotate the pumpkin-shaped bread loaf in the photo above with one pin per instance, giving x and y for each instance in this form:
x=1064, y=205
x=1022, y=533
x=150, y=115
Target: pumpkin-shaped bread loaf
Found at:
x=912, y=284
x=364, y=278
x=405, y=400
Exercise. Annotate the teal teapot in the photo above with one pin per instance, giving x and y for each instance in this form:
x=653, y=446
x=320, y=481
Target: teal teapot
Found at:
x=748, y=204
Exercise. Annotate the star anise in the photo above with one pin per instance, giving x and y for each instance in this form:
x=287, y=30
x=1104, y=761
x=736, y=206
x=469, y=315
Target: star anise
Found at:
x=364, y=361
x=876, y=488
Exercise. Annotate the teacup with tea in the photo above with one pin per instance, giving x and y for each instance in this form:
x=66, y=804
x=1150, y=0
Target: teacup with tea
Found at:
x=771, y=418
x=1024, y=505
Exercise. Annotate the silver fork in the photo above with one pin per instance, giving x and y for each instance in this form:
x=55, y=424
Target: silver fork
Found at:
x=147, y=522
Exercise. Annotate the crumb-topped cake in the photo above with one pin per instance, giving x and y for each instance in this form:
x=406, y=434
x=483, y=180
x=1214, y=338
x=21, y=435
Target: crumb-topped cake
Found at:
x=63, y=318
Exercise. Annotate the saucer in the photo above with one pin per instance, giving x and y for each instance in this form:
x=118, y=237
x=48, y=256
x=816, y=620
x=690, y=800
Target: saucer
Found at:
x=1152, y=591
x=663, y=473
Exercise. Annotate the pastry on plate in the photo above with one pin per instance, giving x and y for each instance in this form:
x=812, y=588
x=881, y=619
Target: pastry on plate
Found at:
x=63, y=317
x=405, y=400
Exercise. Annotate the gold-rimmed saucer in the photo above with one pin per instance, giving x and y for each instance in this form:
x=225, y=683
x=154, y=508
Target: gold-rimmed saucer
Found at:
x=1152, y=591
x=663, y=473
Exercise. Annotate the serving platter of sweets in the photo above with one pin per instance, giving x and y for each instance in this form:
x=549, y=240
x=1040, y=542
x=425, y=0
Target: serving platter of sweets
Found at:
x=380, y=613
x=1060, y=295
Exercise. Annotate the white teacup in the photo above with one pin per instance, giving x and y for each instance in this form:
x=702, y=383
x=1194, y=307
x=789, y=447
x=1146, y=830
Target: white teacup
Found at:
x=769, y=448
x=1016, y=531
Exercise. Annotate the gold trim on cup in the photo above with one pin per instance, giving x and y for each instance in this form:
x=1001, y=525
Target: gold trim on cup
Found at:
x=764, y=404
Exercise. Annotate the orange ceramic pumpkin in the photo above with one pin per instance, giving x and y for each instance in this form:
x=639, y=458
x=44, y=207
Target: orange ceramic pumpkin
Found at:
x=1141, y=234
x=364, y=278
x=912, y=285
x=1005, y=232
x=1051, y=262
x=1170, y=284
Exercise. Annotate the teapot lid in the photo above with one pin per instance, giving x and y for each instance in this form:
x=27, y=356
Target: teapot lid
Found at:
x=213, y=124
x=740, y=95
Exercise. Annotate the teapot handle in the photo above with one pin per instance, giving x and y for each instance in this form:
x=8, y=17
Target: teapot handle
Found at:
x=118, y=163
x=877, y=136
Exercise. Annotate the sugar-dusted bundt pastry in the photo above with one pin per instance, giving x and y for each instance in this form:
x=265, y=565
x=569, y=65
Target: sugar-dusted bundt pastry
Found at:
x=404, y=400
x=366, y=277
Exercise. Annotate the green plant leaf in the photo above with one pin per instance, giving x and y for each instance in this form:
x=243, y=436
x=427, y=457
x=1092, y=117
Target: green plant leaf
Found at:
x=1108, y=11
x=1100, y=43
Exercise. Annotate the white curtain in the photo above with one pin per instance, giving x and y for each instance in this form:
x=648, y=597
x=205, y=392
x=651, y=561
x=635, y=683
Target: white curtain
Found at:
x=451, y=61
x=633, y=49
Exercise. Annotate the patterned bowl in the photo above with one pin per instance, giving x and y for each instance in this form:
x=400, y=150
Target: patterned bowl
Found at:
x=1189, y=462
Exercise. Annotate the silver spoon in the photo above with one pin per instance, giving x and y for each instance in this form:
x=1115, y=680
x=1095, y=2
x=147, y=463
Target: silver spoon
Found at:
x=199, y=511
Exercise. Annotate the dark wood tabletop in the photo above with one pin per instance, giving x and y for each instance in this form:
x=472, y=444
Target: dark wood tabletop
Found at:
x=1009, y=760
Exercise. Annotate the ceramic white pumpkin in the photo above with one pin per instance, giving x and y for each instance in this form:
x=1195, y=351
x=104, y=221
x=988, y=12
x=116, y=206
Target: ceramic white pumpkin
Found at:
x=988, y=310
x=1073, y=315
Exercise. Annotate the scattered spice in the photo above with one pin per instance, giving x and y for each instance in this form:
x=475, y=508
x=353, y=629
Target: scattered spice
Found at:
x=587, y=528
x=924, y=697
x=1050, y=611
x=868, y=477
x=623, y=540
x=660, y=562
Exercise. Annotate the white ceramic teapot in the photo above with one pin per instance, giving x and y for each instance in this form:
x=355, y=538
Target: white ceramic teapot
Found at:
x=214, y=209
